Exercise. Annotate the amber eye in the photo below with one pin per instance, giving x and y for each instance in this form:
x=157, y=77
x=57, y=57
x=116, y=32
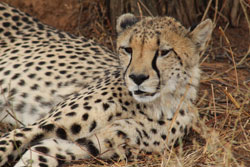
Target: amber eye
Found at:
x=165, y=52
x=128, y=50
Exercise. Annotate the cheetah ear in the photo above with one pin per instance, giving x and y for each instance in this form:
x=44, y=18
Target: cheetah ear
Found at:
x=125, y=21
x=202, y=33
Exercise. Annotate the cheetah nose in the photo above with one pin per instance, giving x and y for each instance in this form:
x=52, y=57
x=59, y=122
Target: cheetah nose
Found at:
x=138, y=79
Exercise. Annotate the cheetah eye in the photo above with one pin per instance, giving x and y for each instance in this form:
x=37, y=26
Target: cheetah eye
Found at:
x=165, y=52
x=128, y=50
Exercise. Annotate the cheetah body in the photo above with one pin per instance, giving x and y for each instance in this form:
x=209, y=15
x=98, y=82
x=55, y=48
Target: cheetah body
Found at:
x=144, y=105
x=40, y=66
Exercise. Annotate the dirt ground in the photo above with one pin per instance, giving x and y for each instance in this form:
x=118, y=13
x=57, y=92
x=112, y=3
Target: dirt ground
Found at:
x=225, y=86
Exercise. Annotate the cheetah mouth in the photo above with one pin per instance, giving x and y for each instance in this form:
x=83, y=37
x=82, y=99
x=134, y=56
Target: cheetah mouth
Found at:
x=145, y=97
x=142, y=93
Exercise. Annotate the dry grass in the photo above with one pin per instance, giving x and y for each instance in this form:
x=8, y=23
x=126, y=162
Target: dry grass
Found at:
x=221, y=134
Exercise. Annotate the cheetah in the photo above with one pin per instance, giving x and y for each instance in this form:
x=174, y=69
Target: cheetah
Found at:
x=143, y=105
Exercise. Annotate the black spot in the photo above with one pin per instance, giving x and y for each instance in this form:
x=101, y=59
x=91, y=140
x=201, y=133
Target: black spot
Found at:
x=156, y=143
x=29, y=64
x=104, y=93
x=47, y=83
x=177, y=142
x=61, y=57
x=38, y=68
x=85, y=116
x=6, y=24
x=60, y=132
x=34, y=87
x=163, y=136
x=98, y=101
x=42, y=63
x=138, y=131
x=92, y=126
x=86, y=103
x=14, y=58
x=27, y=129
x=110, y=117
x=3, y=149
x=19, y=134
x=118, y=114
x=21, y=82
x=71, y=114
x=42, y=159
x=42, y=149
x=87, y=107
x=121, y=134
x=150, y=119
x=7, y=34
x=138, y=106
x=173, y=130
x=124, y=108
x=14, y=51
x=60, y=159
x=63, y=72
x=145, y=144
x=105, y=106
x=16, y=65
x=37, y=138
x=48, y=73
x=3, y=142
x=145, y=134
x=138, y=141
x=182, y=112
x=160, y=122
x=89, y=145
x=43, y=165
x=58, y=114
x=127, y=103
x=74, y=106
x=75, y=128
x=48, y=127
x=7, y=72
x=87, y=97
x=31, y=76
x=50, y=55
x=15, y=18
x=57, y=119
x=15, y=76
x=114, y=94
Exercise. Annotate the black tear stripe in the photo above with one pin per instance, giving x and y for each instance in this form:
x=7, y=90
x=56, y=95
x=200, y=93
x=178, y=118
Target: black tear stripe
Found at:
x=127, y=67
x=154, y=64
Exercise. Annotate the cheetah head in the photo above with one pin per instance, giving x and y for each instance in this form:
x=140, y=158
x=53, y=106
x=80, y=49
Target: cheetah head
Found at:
x=158, y=55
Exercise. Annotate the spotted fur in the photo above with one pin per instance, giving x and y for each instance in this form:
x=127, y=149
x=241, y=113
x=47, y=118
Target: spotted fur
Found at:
x=40, y=66
x=144, y=105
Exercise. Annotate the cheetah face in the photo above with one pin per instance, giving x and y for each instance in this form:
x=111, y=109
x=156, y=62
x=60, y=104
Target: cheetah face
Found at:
x=157, y=54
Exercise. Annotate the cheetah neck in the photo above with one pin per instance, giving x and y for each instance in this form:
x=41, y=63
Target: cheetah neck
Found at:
x=182, y=98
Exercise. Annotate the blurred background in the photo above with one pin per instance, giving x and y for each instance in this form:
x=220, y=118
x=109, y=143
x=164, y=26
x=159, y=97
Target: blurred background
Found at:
x=97, y=18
